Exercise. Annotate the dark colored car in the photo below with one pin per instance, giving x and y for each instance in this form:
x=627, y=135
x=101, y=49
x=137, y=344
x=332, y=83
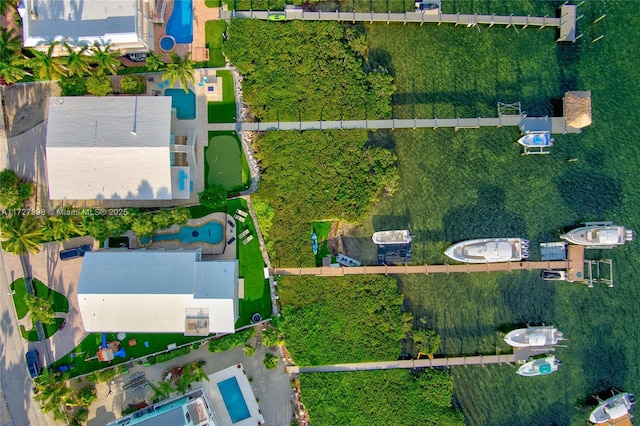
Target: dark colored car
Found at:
x=74, y=252
x=33, y=363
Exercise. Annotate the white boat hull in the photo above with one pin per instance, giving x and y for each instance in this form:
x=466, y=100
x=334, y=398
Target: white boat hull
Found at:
x=533, y=337
x=539, y=367
x=392, y=237
x=599, y=236
x=614, y=408
x=536, y=140
x=489, y=250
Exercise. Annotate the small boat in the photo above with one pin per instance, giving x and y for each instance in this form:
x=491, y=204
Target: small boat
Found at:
x=615, y=408
x=536, y=140
x=314, y=243
x=392, y=237
x=489, y=250
x=347, y=261
x=551, y=275
x=599, y=235
x=533, y=337
x=539, y=367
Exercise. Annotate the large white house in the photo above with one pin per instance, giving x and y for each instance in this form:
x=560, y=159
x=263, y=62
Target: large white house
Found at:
x=125, y=24
x=157, y=291
x=114, y=148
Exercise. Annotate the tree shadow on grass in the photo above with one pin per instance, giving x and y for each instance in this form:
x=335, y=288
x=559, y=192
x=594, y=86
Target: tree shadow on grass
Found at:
x=591, y=194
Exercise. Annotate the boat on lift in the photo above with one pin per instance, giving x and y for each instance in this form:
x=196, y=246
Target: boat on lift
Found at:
x=392, y=237
x=536, y=140
x=539, y=367
x=529, y=337
x=614, y=409
x=599, y=235
x=314, y=243
x=489, y=250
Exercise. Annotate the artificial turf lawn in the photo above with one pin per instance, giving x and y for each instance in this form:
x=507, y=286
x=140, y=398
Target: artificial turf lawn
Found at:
x=322, y=230
x=60, y=304
x=225, y=163
x=225, y=111
x=213, y=38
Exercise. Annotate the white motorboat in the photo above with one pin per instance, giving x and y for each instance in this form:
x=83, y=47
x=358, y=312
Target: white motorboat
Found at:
x=599, y=235
x=534, y=337
x=489, y=250
x=614, y=408
x=392, y=237
x=539, y=367
x=536, y=140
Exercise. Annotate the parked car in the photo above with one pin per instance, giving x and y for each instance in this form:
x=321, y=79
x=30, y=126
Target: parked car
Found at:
x=74, y=252
x=33, y=363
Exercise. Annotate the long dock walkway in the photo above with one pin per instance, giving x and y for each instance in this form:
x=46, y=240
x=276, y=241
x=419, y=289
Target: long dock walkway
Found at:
x=556, y=125
x=574, y=267
x=566, y=22
x=411, y=363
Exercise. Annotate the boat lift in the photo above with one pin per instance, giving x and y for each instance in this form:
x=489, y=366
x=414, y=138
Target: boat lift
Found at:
x=597, y=272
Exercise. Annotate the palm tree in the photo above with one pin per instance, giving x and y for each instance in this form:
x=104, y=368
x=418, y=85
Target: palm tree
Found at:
x=5, y=5
x=105, y=59
x=11, y=71
x=180, y=69
x=22, y=234
x=9, y=44
x=162, y=390
x=45, y=65
x=58, y=228
x=154, y=62
x=77, y=62
x=54, y=395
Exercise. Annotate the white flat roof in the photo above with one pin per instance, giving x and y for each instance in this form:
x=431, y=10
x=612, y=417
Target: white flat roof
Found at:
x=112, y=21
x=154, y=291
x=109, y=148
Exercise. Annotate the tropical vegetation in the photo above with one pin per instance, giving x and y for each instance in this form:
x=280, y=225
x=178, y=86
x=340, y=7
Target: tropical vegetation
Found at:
x=180, y=69
x=231, y=341
x=13, y=190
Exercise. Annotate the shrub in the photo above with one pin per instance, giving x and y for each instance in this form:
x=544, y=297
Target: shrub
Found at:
x=231, y=340
x=270, y=361
x=82, y=415
x=172, y=354
x=214, y=197
x=133, y=85
x=13, y=192
x=105, y=376
x=73, y=86
x=86, y=396
x=249, y=350
x=99, y=85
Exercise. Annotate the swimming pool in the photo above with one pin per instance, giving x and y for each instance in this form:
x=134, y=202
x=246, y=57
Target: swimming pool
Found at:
x=210, y=232
x=180, y=25
x=233, y=400
x=184, y=103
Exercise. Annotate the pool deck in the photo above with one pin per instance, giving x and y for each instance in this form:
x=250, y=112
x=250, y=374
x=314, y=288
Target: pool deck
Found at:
x=220, y=251
x=219, y=407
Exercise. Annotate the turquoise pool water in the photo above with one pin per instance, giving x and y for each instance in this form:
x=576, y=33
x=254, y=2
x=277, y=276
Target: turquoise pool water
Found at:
x=180, y=25
x=210, y=232
x=184, y=103
x=233, y=400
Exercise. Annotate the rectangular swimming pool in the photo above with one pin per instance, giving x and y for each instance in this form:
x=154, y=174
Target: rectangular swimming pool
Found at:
x=210, y=232
x=233, y=400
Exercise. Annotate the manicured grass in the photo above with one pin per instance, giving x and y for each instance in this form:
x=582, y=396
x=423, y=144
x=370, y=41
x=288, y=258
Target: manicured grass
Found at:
x=257, y=297
x=213, y=38
x=225, y=162
x=200, y=211
x=322, y=230
x=49, y=330
x=225, y=111
x=60, y=304
x=89, y=348
x=20, y=290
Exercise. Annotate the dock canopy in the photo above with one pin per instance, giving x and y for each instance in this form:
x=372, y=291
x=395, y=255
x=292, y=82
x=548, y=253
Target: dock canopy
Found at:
x=577, y=109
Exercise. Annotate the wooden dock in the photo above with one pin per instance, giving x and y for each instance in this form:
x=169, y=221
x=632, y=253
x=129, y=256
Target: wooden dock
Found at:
x=566, y=23
x=556, y=125
x=574, y=267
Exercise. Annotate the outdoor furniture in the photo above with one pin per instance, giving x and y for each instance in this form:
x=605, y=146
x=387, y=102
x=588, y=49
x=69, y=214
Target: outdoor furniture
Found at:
x=241, y=213
x=238, y=218
x=133, y=342
x=246, y=241
x=232, y=239
x=243, y=233
x=231, y=224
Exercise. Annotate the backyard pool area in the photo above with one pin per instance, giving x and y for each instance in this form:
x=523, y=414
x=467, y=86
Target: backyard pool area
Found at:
x=232, y=398
x=184, y=103
x=180, y=25
x=210, y=233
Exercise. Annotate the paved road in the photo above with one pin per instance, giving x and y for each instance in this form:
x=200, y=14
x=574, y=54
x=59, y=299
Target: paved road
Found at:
x=13, y=371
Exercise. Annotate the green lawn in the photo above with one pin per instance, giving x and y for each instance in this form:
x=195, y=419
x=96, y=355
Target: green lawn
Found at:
x=322, y=229
x=257, y=297
x=60, y=304
x=49, y=329
x=213, y=38
x=225, y=111
x=20, y=290
x=225, y=162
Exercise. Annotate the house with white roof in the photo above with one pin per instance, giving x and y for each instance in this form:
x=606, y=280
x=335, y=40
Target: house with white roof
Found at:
x=115, y=148
x=157, y=291
x=126, y=24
